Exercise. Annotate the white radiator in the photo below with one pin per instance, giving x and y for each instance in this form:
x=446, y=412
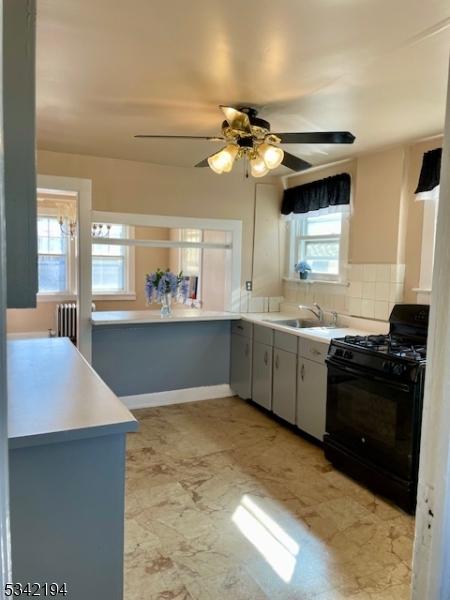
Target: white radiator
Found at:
x=66, y=320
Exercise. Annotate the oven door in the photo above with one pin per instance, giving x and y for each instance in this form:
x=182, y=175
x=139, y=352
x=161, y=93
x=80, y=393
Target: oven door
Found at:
x=372, y=416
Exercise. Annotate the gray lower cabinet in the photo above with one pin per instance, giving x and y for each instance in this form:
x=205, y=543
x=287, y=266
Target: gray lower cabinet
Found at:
x=262, y=375
x=312, y=397
x=284, y=384
x=241, y=366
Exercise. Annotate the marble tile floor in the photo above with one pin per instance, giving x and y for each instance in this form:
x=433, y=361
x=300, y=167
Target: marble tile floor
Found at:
x=224, y=503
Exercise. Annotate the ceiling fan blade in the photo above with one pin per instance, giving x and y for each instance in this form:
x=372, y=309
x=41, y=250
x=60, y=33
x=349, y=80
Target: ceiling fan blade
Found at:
x=236, y=119
x=294, y=162
x=213, y=138
x=317, y=137
x=203, y=163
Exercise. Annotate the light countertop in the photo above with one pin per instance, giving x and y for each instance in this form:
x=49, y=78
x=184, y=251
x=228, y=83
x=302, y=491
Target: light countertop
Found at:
x=325, y=334
x=128, y=317
x=54, y=395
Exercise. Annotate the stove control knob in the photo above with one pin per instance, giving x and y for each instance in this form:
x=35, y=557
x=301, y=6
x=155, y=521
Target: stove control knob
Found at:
x=386, y=366
x=348, y=354
x=339, y=352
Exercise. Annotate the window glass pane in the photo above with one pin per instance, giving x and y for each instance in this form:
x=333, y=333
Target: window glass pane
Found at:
x=105, y=250
x=322, y=256
x=42, y=226
x=108, y=274
x=322, y=249
x=54, y=228
x=52, y=272
x=116, y=231
x=329, y=267
x=56, y=245
x=191, y=257
x=323, y=225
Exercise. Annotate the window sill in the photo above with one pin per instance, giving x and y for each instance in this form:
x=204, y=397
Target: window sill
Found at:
x=422, y=290
x=40, y=298
x=114, y=297
x=320, y=281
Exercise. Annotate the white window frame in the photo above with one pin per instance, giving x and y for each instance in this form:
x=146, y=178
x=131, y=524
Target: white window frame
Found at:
x=296, y=238
x=70, y=295
x=181, y=252
x=130, y=272
x=71, y=292
x=233, y=229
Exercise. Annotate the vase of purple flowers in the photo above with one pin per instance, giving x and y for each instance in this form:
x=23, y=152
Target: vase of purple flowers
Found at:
x=165, y=287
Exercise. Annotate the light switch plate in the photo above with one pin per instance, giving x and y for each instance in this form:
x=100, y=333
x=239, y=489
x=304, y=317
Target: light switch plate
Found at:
x=248, y=286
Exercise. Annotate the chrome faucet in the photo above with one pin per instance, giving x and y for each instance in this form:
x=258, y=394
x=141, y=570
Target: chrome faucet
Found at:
x=317, y=313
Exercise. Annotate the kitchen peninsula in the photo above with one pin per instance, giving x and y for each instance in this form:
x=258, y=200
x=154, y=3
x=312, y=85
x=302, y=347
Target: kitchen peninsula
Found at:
x=66, y=433
x=138, y=353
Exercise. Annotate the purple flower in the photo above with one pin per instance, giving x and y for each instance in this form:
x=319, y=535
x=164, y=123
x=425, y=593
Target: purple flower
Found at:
x=160, y=282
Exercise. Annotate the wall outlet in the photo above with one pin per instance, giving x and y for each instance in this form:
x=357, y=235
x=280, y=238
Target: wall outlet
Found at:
x=248, y=286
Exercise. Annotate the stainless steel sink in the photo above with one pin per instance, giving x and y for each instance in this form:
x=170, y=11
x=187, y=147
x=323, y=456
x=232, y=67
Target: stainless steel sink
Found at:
x=300, y=323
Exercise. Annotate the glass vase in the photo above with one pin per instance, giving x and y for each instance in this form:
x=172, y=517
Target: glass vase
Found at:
x=166, y=305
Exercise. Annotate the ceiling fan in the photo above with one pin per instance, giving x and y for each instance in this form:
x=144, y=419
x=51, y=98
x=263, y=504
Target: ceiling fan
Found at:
x=247, y=135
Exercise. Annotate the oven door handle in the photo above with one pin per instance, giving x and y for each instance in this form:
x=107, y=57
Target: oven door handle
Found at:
x=368, y=375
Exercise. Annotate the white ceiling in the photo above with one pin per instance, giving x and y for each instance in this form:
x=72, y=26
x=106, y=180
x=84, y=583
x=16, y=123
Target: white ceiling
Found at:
x=108, y=69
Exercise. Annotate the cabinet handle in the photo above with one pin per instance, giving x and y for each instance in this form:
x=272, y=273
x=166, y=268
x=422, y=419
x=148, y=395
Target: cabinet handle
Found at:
x=266, y=358
x=302, y=372
x=315, y=352
x=277, y=362
x=247, y=349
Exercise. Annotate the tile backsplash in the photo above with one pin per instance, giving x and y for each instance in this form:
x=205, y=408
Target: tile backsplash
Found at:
x=371, y=292
x=259, y=304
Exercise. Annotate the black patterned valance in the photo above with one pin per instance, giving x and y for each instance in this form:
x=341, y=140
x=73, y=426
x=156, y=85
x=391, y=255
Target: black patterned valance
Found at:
x=430, y=172
x=331, y=191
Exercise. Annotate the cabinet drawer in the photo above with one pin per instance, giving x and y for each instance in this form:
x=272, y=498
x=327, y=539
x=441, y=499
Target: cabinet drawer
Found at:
x=285, y=341
x=316, y=351
x=263, y=335
x=242, y=328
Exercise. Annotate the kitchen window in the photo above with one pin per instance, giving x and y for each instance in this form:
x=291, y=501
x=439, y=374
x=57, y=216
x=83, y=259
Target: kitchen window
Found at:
x=53, y=256
x=112, y=265
x=320, y=238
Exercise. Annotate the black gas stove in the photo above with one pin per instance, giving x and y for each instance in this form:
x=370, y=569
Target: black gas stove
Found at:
x=374, y=404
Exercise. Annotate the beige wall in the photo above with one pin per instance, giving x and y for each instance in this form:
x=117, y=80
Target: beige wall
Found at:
x=374, y=228
x=134, y=187
x=386, y=222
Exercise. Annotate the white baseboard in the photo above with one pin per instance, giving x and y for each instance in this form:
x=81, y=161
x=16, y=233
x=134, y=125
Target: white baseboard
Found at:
x=208, y=392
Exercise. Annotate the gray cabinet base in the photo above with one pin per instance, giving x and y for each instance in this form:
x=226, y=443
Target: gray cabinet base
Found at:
x=67, y=515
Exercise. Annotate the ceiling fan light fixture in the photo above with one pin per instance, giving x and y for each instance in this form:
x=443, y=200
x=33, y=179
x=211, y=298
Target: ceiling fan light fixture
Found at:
x=222, y=161
x=272, y=155
x=258, y=167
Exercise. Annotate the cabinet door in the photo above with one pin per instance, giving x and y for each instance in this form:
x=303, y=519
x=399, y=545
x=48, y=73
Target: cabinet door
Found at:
x=262, y=375
x=312, y=397
x=284, y=384
x=19, y=139
x=241, y=366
